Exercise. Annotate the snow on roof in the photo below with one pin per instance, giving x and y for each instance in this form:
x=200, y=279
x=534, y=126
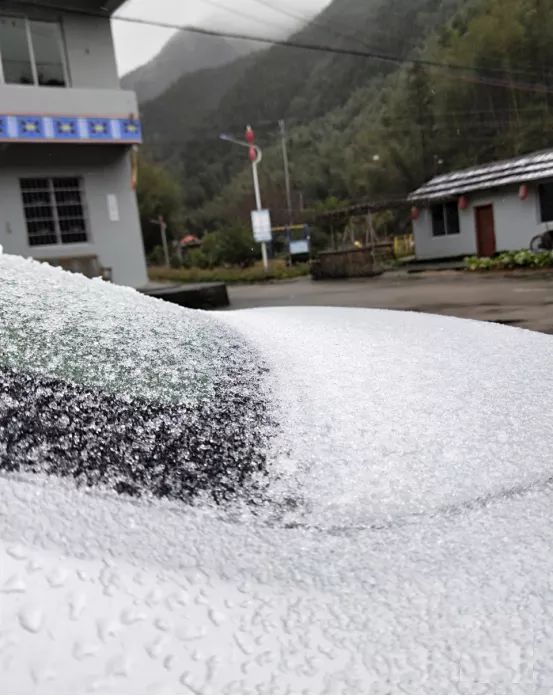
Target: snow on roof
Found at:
x=530, y=167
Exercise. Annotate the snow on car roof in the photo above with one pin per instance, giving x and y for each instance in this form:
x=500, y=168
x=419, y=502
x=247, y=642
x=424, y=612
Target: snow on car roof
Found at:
x=402, y=542
x=398, y=413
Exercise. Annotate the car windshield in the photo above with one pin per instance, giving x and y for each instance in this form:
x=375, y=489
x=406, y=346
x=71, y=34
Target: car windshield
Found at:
x=123, y=392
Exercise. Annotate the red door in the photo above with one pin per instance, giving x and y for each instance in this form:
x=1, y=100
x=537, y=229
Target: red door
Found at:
x=485, y=230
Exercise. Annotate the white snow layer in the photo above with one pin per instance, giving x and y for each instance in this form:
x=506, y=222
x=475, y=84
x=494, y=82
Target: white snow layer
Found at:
x=408, y=546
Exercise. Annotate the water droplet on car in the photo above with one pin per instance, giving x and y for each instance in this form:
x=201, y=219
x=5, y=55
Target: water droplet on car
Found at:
x=31, y=618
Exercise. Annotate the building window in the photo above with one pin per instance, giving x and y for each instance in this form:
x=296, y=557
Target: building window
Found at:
x=54, y=210
x=31, y=53
x=546, y=201
x=445, y=219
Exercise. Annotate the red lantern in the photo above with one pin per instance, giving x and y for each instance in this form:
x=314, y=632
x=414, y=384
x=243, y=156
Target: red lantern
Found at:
x=250, y=135
x=463, y=203
x=415, y=213
x=253, y=154
x=523, y=192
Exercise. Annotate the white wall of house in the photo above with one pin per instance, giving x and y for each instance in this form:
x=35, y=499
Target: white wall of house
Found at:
x=429, y=247
x=516, y=222
x=104, y=170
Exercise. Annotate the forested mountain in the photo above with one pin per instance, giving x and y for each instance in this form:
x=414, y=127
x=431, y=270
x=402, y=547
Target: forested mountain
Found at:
x=183, y=54
x=281, y=82
x=362, y=127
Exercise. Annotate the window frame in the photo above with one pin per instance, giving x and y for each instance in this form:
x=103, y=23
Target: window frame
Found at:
x=446, y=227
x=30, y=47
x=53, y=204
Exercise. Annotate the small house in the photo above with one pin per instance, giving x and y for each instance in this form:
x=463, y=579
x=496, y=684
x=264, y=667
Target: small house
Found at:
x=190, y=241
x=485, y=209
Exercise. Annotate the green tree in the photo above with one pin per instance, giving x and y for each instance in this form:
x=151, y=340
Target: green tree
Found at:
x=237, y=246
x=158, y=194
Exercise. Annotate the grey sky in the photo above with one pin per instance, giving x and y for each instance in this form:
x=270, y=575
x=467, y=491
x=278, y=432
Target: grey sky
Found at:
x=137, y=44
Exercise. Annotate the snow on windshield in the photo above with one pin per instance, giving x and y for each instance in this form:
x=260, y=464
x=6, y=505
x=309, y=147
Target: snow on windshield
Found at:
x=113, y=388
x=93, y=333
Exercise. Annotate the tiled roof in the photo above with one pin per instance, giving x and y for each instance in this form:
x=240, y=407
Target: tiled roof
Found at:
x=531, y=167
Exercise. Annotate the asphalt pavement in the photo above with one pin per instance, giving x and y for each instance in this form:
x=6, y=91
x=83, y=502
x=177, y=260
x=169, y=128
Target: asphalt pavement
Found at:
x=517, y=299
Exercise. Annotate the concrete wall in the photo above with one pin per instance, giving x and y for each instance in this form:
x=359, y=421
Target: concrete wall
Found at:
x=516, y=222
x=58, y=101
x=104, y=170
x=90, y=52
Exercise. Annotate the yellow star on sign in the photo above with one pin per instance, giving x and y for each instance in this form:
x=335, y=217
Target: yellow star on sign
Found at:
x=66, y=128
x=31, y=127
x=131, y=128
x=99, y=128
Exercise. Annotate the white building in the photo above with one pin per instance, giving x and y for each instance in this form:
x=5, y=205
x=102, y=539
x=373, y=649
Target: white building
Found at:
x=485, y=209
x=66, y=133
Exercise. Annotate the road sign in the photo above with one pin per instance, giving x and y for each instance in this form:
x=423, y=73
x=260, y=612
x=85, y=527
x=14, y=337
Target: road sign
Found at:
x=261, y=225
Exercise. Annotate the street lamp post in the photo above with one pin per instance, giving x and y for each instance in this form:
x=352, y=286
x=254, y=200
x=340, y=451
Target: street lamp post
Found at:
x=256, y=155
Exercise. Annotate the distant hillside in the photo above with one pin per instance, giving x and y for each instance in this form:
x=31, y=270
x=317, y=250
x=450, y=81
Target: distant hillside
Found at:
x=402, y=128
x=183, y=54
x=183, y=123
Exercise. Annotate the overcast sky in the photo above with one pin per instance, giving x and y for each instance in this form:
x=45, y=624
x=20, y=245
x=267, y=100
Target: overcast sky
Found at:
x=136, y=44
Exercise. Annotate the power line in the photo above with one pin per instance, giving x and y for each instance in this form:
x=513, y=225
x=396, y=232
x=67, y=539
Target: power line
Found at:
x=442, y=121
x=233, y=10
x=351, y=37
x=315, y=21
x=479, y=76
x=459, y=133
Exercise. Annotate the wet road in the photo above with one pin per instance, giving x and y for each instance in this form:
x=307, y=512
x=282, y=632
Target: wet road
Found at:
x=524, y=300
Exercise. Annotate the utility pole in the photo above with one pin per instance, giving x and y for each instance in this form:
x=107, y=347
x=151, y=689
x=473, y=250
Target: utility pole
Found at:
x=163, y=229
x=282, y=126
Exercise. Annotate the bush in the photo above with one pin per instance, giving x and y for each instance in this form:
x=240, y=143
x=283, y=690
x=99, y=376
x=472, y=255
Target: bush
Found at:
x=156, y=257
x=233, y=246
x=210, y=255
x=196, y=258
x=253, y=274
x=175, y=260
x=523, y=258
x=237, y=246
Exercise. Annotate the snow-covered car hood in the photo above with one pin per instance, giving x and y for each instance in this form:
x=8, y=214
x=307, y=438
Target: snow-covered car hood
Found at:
x=394, y=534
